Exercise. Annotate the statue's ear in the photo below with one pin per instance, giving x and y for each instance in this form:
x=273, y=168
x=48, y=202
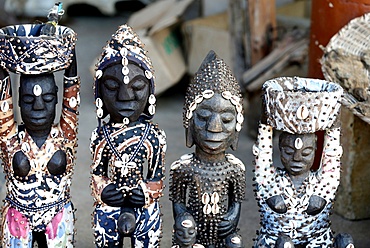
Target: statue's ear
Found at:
x=189, y=137
x=234, y=144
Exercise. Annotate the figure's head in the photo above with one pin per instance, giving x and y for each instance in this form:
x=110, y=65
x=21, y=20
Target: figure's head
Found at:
x=297, y=152
x=213, y=115
x=185, y=230
x=124, y=82
x=37, y=101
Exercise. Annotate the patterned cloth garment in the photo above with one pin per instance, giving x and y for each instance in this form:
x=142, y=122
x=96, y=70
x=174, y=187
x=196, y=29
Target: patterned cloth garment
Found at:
x=41, y=199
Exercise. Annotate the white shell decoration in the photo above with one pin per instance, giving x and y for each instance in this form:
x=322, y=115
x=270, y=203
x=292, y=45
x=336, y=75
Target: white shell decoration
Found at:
x=25, y=147
x=302, y=112
x=125, y=70
x=37, y=90
x=207, y=209
x=186, y=156
x=215, y=198
x=99, y=112
x=298, y=143
x=126, y=79
x=124, y=61
x=187, y=223
x=49, y=147
x=239, y=108
x=151, y=109
x=72, y=102
x=21, y=135
x=5, y=106
x=208, y=94
x=240, y=118
x=238, y=127
x=198, y=99
x=189, y=114
x=54, y=133
x=235, y=100
x=123, y=52
x=205, y=198
x=126, y=121
x=98, y=103
x=78, y=98
x=215, y=209
x=235, y=240
x=148, y=74
x=98, y=74
x=226, y=94
x=192, y=106
x=152, y=99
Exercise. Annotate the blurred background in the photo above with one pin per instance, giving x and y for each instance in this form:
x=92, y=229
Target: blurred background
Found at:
x=258, y=39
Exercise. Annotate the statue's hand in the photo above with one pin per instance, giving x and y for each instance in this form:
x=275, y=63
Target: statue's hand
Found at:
x=136, y=198
x=227, y=224
x=111, y=196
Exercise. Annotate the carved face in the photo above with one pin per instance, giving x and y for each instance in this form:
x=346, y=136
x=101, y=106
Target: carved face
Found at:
x=214, y=124
x=185, y=232
x=297, y=152
x=37, y=101
x=124, y=100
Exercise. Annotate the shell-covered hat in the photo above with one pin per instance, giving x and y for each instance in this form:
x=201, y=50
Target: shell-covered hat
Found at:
x=125, y=46
x=24, y=50
x=301, y=105
x=213, y=76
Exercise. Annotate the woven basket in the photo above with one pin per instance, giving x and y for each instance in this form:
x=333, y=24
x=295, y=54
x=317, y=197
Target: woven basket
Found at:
x=301, y=105
x=346, y=61
x=24, y=50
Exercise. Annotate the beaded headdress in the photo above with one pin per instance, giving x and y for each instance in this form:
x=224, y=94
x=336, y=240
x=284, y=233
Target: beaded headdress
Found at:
x=213, y=76
x=124, y=47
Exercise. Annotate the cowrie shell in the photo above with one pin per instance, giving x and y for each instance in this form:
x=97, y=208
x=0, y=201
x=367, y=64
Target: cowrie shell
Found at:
x=238, y=127
x=72, y=102
x=98, y=103
x=37, y=90
x=98, y=74
x=21, y=135
x=5, y=106
x=54, y=133
x=239, y=118
x=236, y=240
x=187, y=223
x=123, y=52
x=234, y=100
x=215, y=209
x=148, y=74
x=78, y=98
x=207, y=209
x=302, y=112
x=186, y=156
x=124, y=61
x=152, y=99
x=189, y=114
x=99, y=112
x=226, y=94
x=298, y=143
x=208, y=94
x=126, y=79
x=198, y=99
x=151, y=109
x=205, y=198
x=126, y=121
x=215, y=198
x=25, y=147
x=125, y=70
x=192, y=106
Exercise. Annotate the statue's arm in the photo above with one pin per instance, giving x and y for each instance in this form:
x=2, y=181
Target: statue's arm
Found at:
x=71, y=100
x=262, y=151
x=178, y=188
x=7, y=123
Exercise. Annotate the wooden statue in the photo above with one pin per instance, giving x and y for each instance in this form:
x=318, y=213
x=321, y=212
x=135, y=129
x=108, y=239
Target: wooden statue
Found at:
x=295, y=202
x=126, y=145
x=38, y=155
x=209, y=184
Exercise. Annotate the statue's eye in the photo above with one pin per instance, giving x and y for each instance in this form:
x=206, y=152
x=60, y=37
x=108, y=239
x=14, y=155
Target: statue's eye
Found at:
x=288, y=150
x=28, y=98
x=48, y=97
x=138, y=85
x=203, y=114
x=227, y=117
x=111, y=84
x=307, y=151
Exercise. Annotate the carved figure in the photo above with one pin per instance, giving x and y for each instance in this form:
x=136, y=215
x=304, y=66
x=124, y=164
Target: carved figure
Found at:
x=295, y=202
x=38, y=156
x=126, y=145
x=209, y=184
